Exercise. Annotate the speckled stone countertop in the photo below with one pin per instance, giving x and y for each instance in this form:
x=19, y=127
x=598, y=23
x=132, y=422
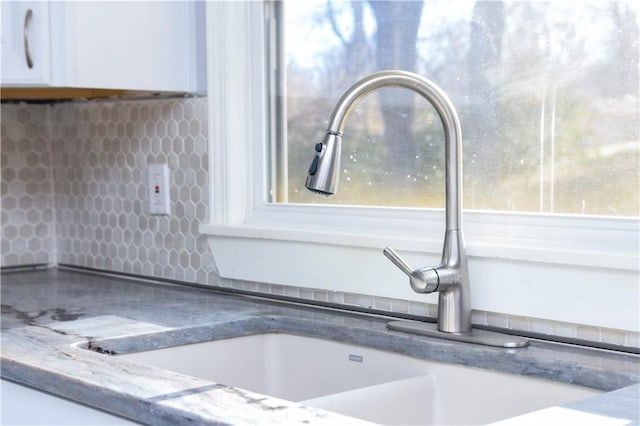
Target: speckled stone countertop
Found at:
x=50, y=316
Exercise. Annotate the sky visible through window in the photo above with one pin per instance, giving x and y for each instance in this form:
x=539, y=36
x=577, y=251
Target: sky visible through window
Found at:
x=547, y=94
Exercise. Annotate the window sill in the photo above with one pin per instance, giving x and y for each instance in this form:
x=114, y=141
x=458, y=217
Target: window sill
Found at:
x=563, y=240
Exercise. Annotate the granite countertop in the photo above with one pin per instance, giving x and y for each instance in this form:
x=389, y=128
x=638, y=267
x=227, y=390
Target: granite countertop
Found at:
x=50, y=316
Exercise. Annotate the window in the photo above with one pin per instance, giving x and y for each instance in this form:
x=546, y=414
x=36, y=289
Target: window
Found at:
x=516, y=260
x=547, y=93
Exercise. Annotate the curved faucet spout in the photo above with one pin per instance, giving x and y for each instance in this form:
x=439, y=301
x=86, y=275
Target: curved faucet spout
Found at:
x=325, y=176
x=450, y=279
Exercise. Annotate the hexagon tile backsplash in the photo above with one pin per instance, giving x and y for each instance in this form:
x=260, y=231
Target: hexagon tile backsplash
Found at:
x=86, y=176
x=28, y=214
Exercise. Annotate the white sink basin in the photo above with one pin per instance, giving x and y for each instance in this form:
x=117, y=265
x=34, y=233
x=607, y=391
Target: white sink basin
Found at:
x=370, y=384
x=282, y=365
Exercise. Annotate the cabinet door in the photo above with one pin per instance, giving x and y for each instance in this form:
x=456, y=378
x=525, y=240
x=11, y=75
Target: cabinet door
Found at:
x=131, y=45
x=25, y=43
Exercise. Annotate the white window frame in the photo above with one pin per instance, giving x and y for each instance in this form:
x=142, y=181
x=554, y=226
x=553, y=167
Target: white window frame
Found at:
x=338, y=247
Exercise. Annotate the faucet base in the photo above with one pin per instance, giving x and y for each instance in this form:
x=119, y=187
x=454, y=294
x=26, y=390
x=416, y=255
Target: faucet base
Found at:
x=480, y=337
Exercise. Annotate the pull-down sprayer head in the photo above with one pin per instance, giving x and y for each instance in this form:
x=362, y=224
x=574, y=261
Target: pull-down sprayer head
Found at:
x=325, y=167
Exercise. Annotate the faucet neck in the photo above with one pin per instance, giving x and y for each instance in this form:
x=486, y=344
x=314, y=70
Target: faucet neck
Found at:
x=445, y=109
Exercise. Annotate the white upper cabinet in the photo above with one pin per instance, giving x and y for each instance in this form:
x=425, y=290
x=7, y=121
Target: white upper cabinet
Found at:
x=25, y=44
x=139, y=46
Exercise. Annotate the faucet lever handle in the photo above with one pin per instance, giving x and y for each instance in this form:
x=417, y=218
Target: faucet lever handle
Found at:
x=398, y=261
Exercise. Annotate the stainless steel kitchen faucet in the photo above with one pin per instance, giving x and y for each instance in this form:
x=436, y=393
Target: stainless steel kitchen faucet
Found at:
x=451, y=277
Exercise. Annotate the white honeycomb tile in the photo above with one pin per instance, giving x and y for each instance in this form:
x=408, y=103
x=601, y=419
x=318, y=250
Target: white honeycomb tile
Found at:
x=28, y=228
x=108, y=171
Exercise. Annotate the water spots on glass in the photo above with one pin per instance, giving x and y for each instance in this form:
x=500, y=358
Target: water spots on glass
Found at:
x=507, y=145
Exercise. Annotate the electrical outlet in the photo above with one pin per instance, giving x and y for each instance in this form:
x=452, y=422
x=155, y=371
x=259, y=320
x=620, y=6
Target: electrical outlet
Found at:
x=159, y=203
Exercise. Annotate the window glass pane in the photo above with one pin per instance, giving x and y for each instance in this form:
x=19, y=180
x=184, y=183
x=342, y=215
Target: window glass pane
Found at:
x=547, y=94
